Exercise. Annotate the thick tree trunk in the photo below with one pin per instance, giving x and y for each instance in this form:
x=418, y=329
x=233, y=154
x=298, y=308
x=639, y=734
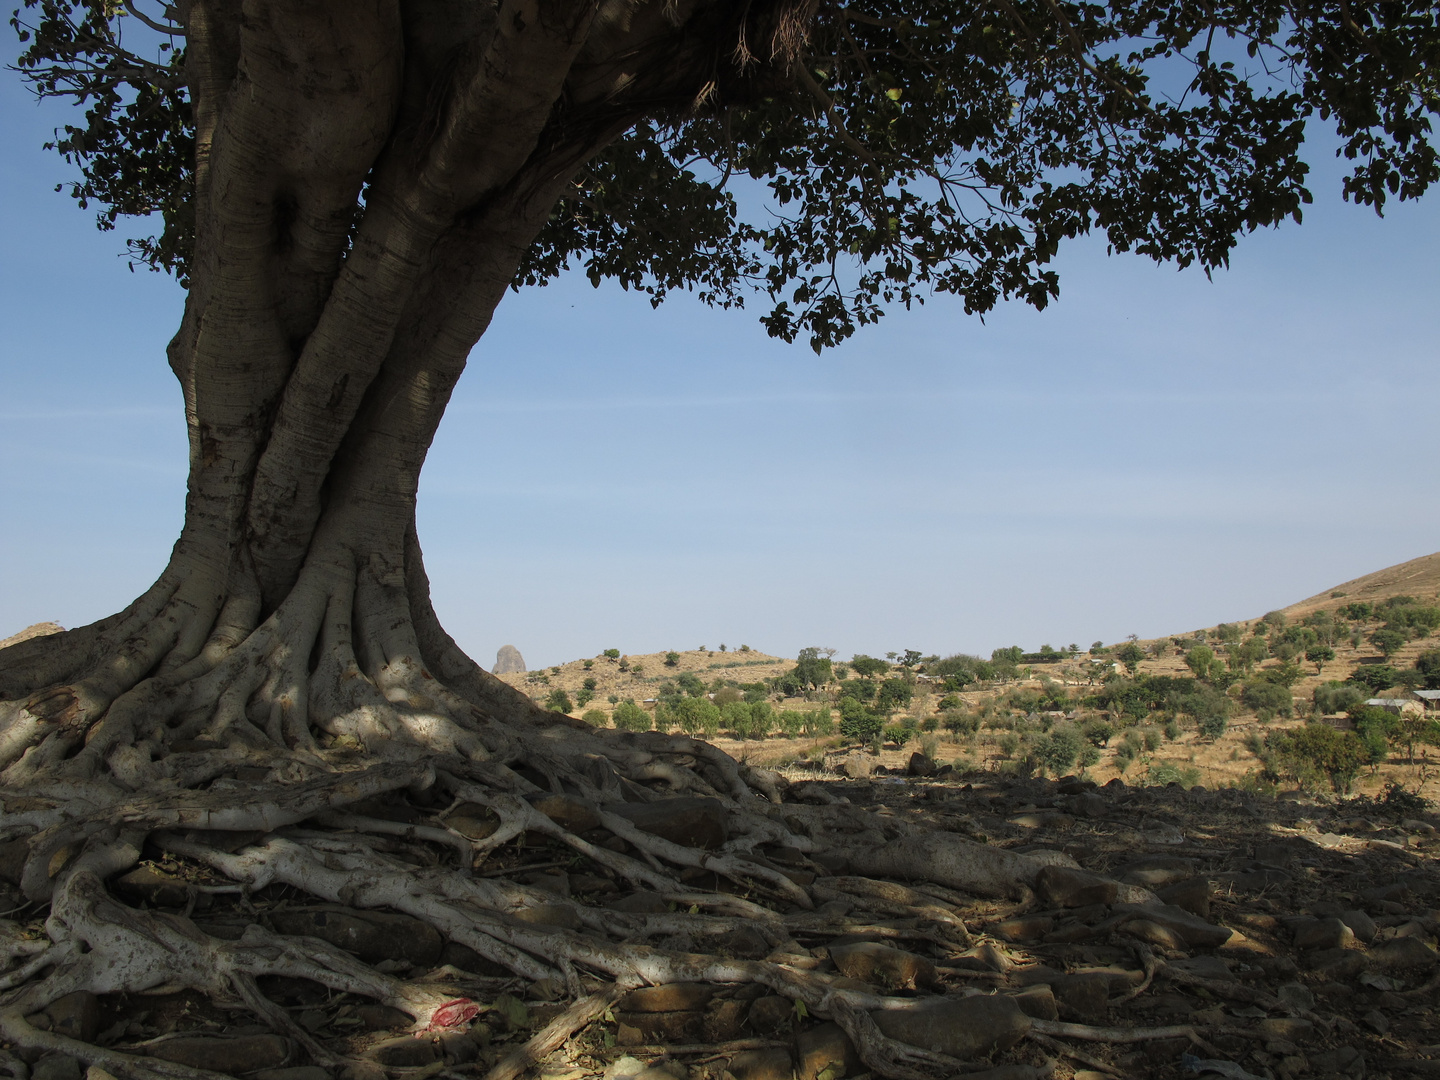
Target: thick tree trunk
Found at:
x=368, y=178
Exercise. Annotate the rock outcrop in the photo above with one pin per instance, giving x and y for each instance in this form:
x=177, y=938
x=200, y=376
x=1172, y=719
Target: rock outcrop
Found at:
x=508, y=661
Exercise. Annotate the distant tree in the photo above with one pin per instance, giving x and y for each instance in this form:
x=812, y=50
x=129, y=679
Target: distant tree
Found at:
x=735, y=716
x=960, y=723
x=631, y=717
x=595, y=717
x=811, y=669
x=672, y=658
x=1096, y=646
x=559, y=701
x=1428, y=664
x=1317, y=752
x=612, y=654
x=1417, y=728
x=1275, y=619
x=1320, y=655
x=1379, y=729
x=690, y=684
x=762, y=718
x=1374, y=677
x=583, y=697
x=1286, y=674
x=894, y=694
x=818, y=722
x=867, y=667
x=722, y=646
x=1260, y=694
x=910, y=658
x=1130, y=655
x=791, y=722
x=590, y=683
x=1388, y=641
x=589, y=664
x=726, y=694
x=1058, y=750
x=1201, y=660
x=858, y=723
x=1334, y=698
x=1243, y=656
x=701, y=715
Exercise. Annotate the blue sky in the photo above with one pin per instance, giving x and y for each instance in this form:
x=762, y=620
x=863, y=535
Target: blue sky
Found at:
x=1154, y=453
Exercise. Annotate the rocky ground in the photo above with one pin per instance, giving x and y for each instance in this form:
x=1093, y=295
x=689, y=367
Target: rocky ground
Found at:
x=1296, y=939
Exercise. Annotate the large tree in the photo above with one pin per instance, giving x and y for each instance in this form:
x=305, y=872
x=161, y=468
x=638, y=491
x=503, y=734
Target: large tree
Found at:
x=347, y=191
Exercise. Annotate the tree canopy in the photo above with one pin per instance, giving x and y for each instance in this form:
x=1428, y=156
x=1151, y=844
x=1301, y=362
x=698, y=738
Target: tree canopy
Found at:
x=919, y=146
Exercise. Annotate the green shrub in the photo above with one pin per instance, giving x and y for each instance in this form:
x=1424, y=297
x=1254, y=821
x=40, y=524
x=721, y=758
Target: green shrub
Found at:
x=595, y=717
x=1428, y=665
x=952, y=701
x=612, y=654
x=762, y=718
x=1333, y=698
x=899, y=734
x=590, y=683
x=1009, y=744
x=1172, y=729
x=664, y=716
x=791, y=722
x=1098, y=732
x=1260, y=694
x=671, y=659
x=1314, y=753
x=631, y=717
x=818, y=723
x=736, y=718
x=1167, y=772
x=1058, y=750
x=559, y=701
x=698, y=716
x=857, y=723
x=1389, y=641
x=894, y=693
x=584, y=697
x=960, y=723
x=1202, y=661
x=589, y=664
x=1375, y=677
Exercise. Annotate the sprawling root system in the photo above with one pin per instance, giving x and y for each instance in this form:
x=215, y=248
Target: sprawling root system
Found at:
x=334, y=859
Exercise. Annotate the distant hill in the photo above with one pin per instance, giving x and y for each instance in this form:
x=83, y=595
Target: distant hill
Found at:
x=1419, y=578
x=40, y=629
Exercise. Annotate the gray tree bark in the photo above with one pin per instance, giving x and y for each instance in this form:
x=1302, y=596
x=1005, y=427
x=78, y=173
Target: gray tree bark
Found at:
x=369, y=175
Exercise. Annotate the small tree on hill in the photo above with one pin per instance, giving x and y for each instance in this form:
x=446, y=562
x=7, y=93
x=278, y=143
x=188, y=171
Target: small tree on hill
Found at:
x=1130, y=654
x=867, y=667
x=1201, y=660
x=1388, y=641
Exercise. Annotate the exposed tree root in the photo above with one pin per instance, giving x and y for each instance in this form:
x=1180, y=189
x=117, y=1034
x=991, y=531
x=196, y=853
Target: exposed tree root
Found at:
x=277, y=753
